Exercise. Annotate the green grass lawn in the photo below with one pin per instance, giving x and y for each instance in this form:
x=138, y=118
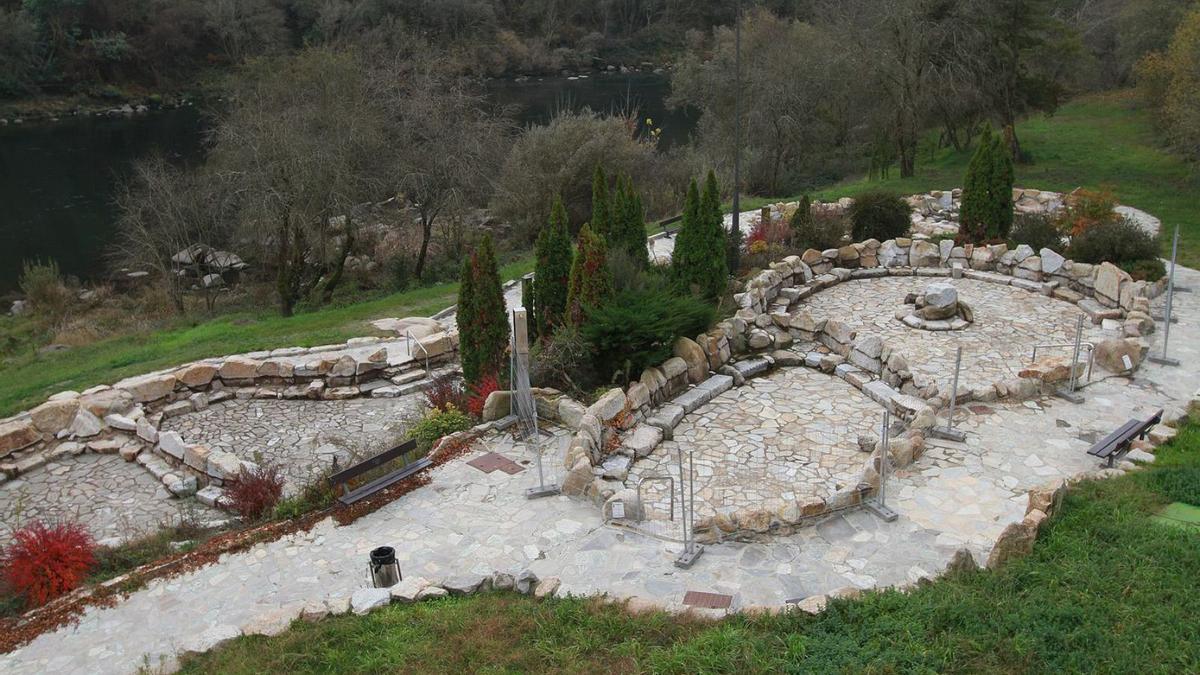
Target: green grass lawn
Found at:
x=30, y=378
x=1106, y=590
x=1102, y=140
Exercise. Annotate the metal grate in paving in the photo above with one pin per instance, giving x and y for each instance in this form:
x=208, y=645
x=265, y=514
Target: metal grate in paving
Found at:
x=707, y=600
x=494, y=461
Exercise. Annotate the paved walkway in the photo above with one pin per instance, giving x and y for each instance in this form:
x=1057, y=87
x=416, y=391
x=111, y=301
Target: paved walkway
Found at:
x=466, y=521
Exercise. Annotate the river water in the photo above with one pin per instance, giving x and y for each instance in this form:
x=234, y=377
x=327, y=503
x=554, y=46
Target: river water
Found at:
x=57, y=179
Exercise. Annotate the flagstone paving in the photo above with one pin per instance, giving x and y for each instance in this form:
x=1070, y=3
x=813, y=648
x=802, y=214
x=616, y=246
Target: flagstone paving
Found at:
x=467, y=521
x=791, y=435
x=1008, y=323
x=301, y=437
x=114, y=499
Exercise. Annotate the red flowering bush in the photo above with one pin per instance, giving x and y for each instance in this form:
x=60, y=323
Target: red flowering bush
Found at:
x=44, y=562
x=479, y=393
x=446, y=391
x=255, y=491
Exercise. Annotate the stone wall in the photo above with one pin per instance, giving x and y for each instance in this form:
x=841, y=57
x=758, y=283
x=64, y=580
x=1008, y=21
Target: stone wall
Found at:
x=124, y=418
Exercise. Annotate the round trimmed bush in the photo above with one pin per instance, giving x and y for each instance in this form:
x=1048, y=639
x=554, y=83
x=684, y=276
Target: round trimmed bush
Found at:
x=879, y=215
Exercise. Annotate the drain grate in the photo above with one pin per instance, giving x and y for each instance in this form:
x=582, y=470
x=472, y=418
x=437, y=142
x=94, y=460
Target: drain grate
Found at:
x=494, y=461
x=707, y=600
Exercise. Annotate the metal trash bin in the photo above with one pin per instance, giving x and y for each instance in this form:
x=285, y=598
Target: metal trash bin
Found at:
x=383, y=570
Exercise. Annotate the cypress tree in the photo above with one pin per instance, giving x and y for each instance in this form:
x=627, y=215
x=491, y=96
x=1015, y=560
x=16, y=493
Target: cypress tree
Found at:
x=716, y=272
x=686, y=253
x=553, y=270
x=468, y=338
x=802, y=220
x=601, y=205
x=1001, y=192
x=590, y=284
x=976, y=195
x=629, y=225
x=482, y=315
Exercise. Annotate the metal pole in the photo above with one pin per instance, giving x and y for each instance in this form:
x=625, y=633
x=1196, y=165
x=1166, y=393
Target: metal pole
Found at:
x=878, y=505
x=948, y=432
x=691, y=550
x=1164, y=359
x=1069, y=393
x=735, y=220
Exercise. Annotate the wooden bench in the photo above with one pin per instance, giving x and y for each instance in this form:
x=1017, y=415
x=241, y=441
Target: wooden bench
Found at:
x=1118, y=444
x=402, y=452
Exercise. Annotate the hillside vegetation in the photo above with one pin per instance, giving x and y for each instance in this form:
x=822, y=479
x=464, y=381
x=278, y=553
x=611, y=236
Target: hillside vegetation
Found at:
x=1100, y=140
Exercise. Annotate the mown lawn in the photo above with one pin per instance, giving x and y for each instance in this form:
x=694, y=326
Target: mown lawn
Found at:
x=1106, y=590
x=1102, y=140
x=30, y=378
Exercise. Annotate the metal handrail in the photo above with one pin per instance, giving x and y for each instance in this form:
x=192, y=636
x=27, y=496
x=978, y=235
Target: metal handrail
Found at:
x=410, y=339
x=647, y=479
x=1091, y=347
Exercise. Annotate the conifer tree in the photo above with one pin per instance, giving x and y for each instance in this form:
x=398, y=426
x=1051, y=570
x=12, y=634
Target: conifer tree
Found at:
x=802, y=220
x=482, y=315
x=590, y=284
x=601, y=204
x=987, y=210
x=700, y=246
x=629, y=225
x=552, y=272
x=1001, y=192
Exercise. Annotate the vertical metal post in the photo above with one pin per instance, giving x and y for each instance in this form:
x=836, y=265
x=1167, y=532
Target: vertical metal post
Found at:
x=687, y=497
x=878, y=504
x=948, y=432
x=1069, y=393
x=519, y=379
x=1165, y=360
x=737, y=114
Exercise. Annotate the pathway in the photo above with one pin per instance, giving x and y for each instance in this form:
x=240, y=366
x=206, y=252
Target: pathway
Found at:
x=466, y=521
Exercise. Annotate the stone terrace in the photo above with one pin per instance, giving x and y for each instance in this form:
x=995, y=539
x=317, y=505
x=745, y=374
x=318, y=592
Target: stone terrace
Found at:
x=301, y=437
x=114, y=499
x=791, y=435
x=1009, y=321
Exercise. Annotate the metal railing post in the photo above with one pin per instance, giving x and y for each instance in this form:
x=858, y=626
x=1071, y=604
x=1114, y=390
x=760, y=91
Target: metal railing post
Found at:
x=1165, y=360
x=948, y=432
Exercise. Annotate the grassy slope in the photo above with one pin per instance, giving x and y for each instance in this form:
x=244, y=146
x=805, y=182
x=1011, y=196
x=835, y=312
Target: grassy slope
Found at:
x=1106, y=590
x=1098, y=141
x=30, y=379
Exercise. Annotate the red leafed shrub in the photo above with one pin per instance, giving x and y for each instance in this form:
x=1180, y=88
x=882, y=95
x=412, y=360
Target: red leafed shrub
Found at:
x=256, y=491
x=479, y=393
x=44, y=562
x=446, y=391
x=770, y=231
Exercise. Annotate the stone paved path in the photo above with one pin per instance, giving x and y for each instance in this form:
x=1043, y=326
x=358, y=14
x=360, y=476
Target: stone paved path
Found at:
x=468, y=521
x=1008, y=323
x=114, y=499
x=302, y=437
x=788, y=435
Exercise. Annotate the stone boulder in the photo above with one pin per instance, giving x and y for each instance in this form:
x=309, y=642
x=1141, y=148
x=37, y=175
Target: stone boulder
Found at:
x=239, y=369
x=924, y=254
x=497, y=405
x=150, y=387
x=107, y=401
x=196, y=375
x=17, y=434
x=1121, y=356
x=52, y=417
x=694, y=356
x=1016, y=541
x=611, y=404
x=941, y=301
x=1109, y=279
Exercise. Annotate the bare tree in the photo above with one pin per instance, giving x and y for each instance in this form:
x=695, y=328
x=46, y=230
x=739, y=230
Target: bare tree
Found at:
x=166, y=210
x=445, y=143
x=300, y=146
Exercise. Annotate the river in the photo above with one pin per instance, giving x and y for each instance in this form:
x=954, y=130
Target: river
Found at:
x=57, y=179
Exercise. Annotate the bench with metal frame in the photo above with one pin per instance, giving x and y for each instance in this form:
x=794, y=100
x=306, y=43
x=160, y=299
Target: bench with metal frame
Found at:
x=402, y=452
x=1116, y=445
